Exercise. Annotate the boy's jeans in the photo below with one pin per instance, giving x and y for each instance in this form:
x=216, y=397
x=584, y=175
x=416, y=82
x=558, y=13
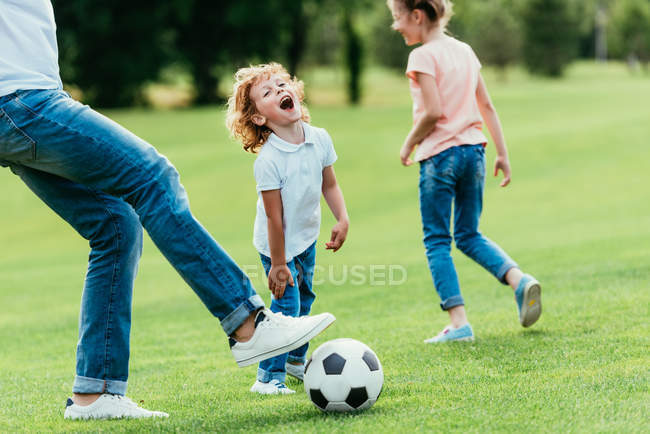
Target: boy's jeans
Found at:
x=296, y=301
x=457, y=174
x=107, y=183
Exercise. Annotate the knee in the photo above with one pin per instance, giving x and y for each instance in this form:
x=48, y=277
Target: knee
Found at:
x=157, y=186
x=131, y=233
x=166, y=188
x=465, y=240
x=118, y=231
x=437, y=242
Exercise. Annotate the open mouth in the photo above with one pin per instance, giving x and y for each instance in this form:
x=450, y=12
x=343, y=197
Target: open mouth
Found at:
x=286, y=103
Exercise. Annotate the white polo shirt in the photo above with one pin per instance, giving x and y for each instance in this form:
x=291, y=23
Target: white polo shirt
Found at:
x=297, y=171
x=28, y=49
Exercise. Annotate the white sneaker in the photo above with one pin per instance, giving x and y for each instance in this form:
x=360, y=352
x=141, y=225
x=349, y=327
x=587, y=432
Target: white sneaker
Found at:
x=109, y=406
x=277, y=334
x=273, y=387
x=296, y=371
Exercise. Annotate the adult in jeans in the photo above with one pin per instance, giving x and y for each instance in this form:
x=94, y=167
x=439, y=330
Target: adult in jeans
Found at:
x=107, y=184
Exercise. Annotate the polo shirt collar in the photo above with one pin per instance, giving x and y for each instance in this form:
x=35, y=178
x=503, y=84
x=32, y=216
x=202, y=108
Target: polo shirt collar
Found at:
x=290, y=147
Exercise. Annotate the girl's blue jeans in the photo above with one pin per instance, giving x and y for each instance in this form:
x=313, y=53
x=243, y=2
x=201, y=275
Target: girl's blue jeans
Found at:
x=296, y=301
x=457, y=176
x=108, y=184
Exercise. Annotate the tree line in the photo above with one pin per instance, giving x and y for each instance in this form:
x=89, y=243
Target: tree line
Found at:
x=110, y=49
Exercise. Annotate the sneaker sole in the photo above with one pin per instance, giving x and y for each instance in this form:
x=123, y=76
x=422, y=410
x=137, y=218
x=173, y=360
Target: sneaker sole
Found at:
x=531, y=307
x=466, y=339
x=320, y=327
x=84, y=416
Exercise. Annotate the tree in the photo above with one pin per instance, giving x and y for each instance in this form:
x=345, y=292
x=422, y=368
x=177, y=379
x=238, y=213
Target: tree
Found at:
x=386, y=45
x=215, y=37
x=495, y=33
x=631, y=24
x=550, y=37
x=109, y=48
x=353, y=57
x=212, y=37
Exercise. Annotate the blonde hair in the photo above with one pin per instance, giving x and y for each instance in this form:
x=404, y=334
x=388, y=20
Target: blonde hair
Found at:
x=241, y=107
x=439, y=12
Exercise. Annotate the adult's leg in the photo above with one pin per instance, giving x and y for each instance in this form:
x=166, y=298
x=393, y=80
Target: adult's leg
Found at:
x=467, y=212
x=437, y=181
x=74, y=142
x=115, y=237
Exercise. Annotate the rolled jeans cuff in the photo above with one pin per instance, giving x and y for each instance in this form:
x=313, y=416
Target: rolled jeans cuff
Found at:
x=266, y=376
x=296, y=359
x=96, y=385
x=239, y=315
x=501, y=274
x=453, y=301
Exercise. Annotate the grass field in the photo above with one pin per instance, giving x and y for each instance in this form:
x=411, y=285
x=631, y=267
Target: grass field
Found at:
x=577, y=216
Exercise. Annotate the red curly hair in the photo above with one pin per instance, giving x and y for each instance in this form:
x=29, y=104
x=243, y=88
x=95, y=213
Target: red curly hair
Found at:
x=241, y=107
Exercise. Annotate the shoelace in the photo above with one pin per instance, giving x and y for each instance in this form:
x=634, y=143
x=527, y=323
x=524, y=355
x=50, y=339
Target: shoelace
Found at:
x=126, y=400
x=278, y=385
x=444, y=332
x=277, y=318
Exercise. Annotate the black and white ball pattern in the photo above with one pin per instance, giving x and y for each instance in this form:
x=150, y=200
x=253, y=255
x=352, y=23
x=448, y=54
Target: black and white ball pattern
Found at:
x=343, y=375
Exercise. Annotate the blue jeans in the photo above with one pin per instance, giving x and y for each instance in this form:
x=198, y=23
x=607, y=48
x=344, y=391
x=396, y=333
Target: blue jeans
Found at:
x=296, y=301
x=456, y=174
x=107, y=184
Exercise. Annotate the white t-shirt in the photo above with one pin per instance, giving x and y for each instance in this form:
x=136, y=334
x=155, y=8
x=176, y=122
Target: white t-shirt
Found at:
x=297, y=171
x=28, y=49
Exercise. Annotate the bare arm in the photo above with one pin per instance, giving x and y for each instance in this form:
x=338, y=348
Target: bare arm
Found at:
x=334, y=198
x=491, y=118
x=279, y=274
x=427, y=122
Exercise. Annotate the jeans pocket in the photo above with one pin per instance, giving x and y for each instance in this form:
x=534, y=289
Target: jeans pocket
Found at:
x=15, y=144
x=444, y=162
x=480, y=164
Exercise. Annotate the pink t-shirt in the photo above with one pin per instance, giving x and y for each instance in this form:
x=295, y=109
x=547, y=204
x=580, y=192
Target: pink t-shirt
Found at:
x=456, y=70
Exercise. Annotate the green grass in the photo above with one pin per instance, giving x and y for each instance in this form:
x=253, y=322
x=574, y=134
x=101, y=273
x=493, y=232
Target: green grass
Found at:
x=577, y=216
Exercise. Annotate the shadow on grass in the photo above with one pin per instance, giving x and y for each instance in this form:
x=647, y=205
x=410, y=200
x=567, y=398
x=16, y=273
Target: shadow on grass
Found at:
x=280, y=417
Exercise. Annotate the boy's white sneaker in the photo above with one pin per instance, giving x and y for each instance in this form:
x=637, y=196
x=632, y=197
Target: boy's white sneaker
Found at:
x=277, y=334
x=273, y=387
x=109, y=406
x=296, y=371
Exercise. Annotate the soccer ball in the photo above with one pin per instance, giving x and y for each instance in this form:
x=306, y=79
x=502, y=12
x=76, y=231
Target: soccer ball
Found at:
x=343, y=375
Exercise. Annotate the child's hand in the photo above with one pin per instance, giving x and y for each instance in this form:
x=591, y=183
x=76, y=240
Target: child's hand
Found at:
x=502, y=163
x=405, y=154
x=279, y=276
x=339, y=234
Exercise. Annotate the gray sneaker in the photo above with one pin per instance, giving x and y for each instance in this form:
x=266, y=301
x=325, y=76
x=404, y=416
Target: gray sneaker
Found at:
x=277, y=334
x=529, y=300
x=296, y=371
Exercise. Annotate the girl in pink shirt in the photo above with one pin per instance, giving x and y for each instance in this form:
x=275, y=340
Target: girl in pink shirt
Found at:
x=450, y=103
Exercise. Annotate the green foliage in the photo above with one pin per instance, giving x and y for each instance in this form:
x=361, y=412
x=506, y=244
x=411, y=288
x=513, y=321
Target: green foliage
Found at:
x=324, y=39
x=109, y=48
x=353, y=57
x=213, y=37
x=386, y=45
x=494, y=31
x=631, y=20
x=551, y=37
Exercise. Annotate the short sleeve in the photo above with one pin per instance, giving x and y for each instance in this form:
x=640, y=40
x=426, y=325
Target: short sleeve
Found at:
x=329, y=156
x=474, y=58
x=267, y=175
x=420, y=60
